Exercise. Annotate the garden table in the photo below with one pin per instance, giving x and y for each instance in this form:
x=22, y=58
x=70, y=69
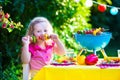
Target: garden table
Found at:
x=77, y=72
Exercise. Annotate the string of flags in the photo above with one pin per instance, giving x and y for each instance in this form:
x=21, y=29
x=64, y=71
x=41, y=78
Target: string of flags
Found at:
x=103, y=7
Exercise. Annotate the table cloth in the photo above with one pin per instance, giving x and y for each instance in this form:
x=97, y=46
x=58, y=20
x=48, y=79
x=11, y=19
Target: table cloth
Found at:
x=77, y=72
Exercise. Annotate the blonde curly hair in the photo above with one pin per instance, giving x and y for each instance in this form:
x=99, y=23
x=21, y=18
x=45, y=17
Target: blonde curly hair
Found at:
x=44, y=22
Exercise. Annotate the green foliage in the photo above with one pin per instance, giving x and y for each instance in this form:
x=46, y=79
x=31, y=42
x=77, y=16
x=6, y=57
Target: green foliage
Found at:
x=78, y=20
x=12, y=72
x=10, y=36
x=10, y=52
x=66, y=16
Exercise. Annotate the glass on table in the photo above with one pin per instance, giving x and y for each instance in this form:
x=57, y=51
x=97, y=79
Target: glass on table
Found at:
x=118, y=51
x=71, y=55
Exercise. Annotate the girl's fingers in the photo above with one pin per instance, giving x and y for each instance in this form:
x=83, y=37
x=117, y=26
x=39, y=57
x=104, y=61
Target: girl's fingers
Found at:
x=26, y=38
x=53, y=36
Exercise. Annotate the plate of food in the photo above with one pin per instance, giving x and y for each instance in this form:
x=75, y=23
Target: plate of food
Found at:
x=65, y=63
x=110, y=63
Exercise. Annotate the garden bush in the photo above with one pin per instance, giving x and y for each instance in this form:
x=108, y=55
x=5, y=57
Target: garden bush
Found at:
x=10, y=45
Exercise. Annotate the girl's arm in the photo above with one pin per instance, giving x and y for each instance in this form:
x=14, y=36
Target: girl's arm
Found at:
x=25, y=56
x=59, y=48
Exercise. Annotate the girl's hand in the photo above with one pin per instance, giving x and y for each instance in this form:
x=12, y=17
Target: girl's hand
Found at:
x=26, y=40
x=54, y=37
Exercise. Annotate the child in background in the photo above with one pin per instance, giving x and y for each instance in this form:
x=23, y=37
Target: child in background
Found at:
x=38, y=51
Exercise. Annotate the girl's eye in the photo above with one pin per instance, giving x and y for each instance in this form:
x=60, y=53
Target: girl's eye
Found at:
x=45, y=30
x=38, y=31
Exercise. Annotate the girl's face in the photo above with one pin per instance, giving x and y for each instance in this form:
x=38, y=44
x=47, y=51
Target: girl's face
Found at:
x=40, y=29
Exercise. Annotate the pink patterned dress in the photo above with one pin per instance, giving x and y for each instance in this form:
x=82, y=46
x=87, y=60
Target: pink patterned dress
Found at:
x=40, y=57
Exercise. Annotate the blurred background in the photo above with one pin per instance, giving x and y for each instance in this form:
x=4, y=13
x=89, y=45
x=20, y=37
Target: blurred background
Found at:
x=66, y=17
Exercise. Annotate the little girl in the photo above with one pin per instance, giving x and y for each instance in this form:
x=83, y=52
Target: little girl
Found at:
x=37, y=51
